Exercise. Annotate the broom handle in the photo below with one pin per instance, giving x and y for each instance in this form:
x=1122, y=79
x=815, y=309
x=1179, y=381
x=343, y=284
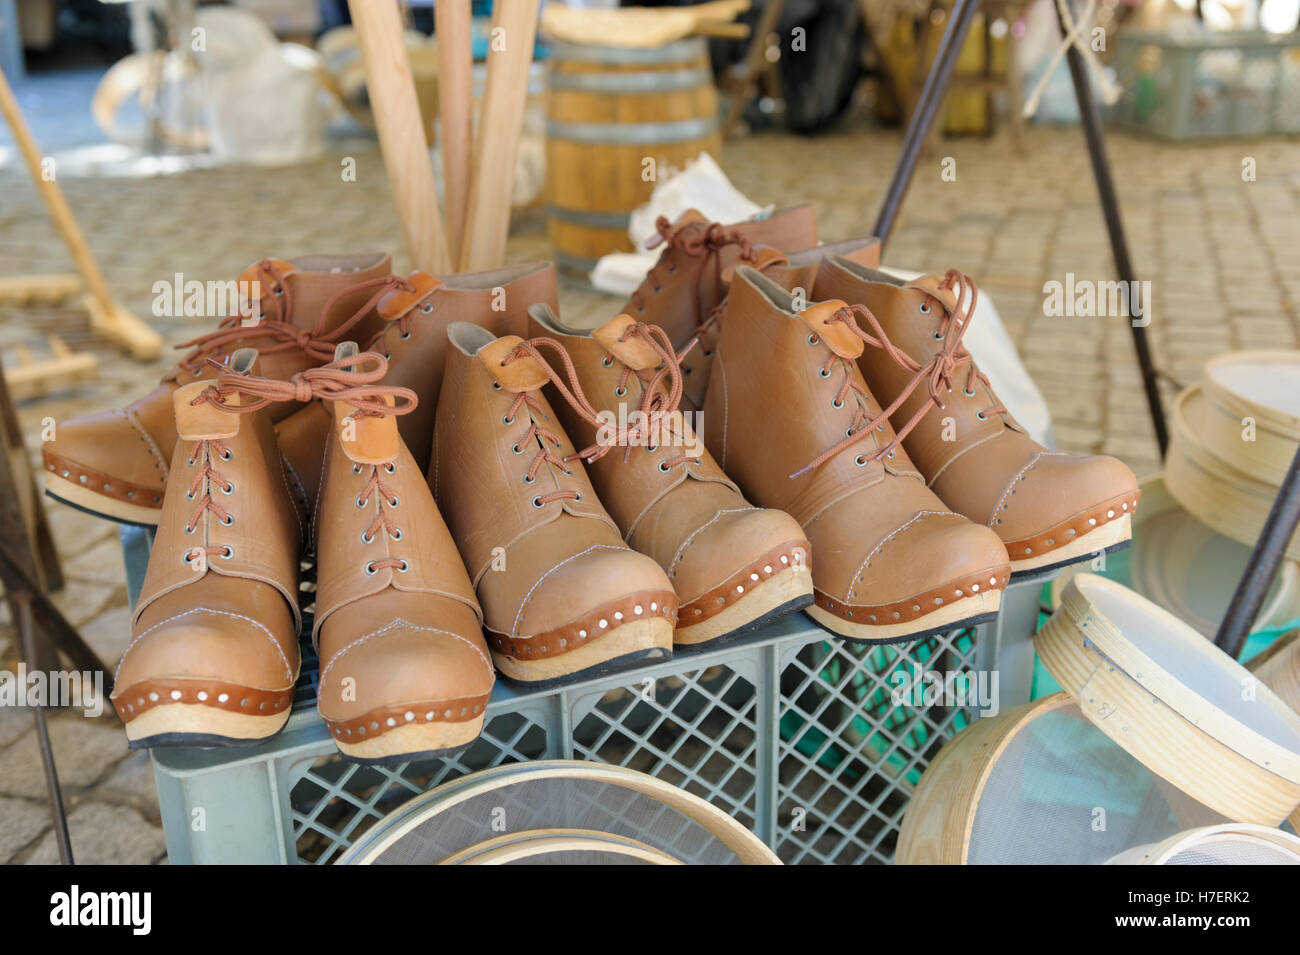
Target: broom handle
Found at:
x=497, y=142
x=455, y=60
x=401, y=132
x=54, y=201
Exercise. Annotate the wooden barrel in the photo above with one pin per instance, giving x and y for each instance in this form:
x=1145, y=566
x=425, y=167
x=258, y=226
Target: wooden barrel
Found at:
x=610, y=110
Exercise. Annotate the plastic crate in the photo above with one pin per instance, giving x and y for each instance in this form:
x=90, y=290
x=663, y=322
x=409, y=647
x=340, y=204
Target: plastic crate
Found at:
x=791, y=732
x=1209, y=86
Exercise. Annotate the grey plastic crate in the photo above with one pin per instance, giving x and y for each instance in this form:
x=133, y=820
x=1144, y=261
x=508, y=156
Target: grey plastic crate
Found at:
x=1239, y=84
x=791, y=732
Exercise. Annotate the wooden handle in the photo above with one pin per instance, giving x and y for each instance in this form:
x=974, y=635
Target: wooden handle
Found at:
x=514, y=25
x=401, y=132
x=455, y=61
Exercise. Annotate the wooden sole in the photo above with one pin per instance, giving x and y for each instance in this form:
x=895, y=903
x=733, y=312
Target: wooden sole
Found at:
x=635, y=641
x=952, y=616
x=1097, y=540
x=781, y=589
x=192, y=724
x=414, y=741
x=83, y=499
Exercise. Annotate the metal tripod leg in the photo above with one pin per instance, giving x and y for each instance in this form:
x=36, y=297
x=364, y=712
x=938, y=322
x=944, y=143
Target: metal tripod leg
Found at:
x=1262, y=567
x=1090, y=117
x=927, y=107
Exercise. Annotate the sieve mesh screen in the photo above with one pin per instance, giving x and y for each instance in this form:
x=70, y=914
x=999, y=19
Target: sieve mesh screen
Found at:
x=1234, y=849
x=1063, y=793
x=557, y=803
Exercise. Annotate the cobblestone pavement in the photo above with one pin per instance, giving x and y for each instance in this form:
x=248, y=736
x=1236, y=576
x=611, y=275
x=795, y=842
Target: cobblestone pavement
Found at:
x=1218, y=251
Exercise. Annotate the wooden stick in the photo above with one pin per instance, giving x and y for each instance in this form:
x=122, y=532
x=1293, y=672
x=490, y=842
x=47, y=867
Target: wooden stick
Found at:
x=451, y=20
x=401, y=132
x=488, y=217
x=111, y=321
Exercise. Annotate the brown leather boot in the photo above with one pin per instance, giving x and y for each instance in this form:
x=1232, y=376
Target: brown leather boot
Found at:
x=735, y=567
x=791, y=420
x=414, y=340
x=214, y=640
x=686, y=287
x=115, y=464
x=1049, y=508
x=563, y=597
x=404, y=671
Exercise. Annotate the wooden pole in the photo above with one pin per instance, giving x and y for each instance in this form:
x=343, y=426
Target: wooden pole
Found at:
x=401, y=132
x=455, y=62
x=510, y=52
x=106, y=316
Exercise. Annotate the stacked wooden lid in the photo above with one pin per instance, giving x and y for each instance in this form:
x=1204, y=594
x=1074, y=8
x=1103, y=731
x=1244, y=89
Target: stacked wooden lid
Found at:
x=1232, y=439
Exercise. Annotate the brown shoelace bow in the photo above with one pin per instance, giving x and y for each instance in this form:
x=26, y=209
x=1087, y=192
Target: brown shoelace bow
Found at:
x=340, y=380
x=282, y=333
x=692, y=239
x=938, y=372
x=657, y=404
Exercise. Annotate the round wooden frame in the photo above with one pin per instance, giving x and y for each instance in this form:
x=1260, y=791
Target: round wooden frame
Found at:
x=516, y=846
x=1160, y=853
x=1277, y=432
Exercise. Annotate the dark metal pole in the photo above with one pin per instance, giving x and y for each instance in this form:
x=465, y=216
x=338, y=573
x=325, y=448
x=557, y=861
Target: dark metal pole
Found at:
x=57, y=814
x=923, y=115
x=1265, y=559
x=1090, y=117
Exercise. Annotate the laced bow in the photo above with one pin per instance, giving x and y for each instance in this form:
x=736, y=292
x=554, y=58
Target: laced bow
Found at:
x=693, y=240
x=274, y=332
x=938, y=373
x=340, y=380
x=657, y=403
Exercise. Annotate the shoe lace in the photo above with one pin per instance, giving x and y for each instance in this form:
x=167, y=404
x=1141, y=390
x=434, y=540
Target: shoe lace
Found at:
x=690, y=239
x=340, y=380
x=277, y=333
x=402, y=323
x=938, y=373
x=658, y=403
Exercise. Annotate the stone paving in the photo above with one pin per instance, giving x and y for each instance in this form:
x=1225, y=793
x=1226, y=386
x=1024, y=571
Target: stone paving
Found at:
x=1218, y=251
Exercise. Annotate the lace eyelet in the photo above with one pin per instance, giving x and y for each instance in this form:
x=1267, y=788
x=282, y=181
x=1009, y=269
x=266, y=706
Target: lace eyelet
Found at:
x=938, y=337
x=529, y=478
x=880, y=427
x=507, y=419
x=390, y=468
x=396, y=535
x=365, y=539
x=360, y=503
x=404, y=336
x=890, y=455
x=229, y=489
x=229, y=521
x=406, y=565
x=226, y=455
x=823, y=373
x=395, y=503
x=967, y=393
x=371, y=569
x=427, y=307
x=229, y=553
x=813, y=339
x=356, y=469
x=708, y=353
x=837, y=404
x=278, y=290
x=925, y=308
x=848, y=432
x=388, y=356
x=860, y=460
x=496, y=386
x=578, y=499
x=620, y=391
x=186, y=559
x=607, y=362
x=189, y=495
x=537, y=502
x=981, y=416
x=663, y=466
x=515, y=449
x=190, y=530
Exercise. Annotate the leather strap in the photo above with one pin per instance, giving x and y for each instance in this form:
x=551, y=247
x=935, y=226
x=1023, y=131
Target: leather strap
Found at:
x=903, y=611
x=587, y=628
x=378, y=722
x=102, y=483
x=141, y=697
x=743, y=582
x=1067, y=532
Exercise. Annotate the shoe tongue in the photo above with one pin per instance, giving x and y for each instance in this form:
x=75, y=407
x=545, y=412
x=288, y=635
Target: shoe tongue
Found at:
x=205, y=421
x=399, y=302
x=522, y=374
x=317, y=278
x=636, y=353
x=766, y=259
x=367, y=439
x=930, y=285
x=838, y=337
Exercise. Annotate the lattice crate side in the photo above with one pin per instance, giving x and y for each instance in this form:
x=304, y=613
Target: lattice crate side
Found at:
x=849, y=755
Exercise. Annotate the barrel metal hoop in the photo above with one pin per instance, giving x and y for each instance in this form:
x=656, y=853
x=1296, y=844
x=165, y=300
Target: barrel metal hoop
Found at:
x=680, y=51
x=649, y=81
x=597, y=220
x=633, y=133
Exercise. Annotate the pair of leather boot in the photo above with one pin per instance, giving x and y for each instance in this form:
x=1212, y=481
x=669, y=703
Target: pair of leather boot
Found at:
x=580, y=570
x=214, y=654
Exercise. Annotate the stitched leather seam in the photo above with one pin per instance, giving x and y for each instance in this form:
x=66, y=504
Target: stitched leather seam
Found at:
x=148, y=439
x=399, y=623
x=225, y=613
x=917, y=607
x=519, y=614
x=857, y=577
x=681, y=551
x=962, y=453
x=1016, y=479
x=1121, y=505
x=740, y=584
